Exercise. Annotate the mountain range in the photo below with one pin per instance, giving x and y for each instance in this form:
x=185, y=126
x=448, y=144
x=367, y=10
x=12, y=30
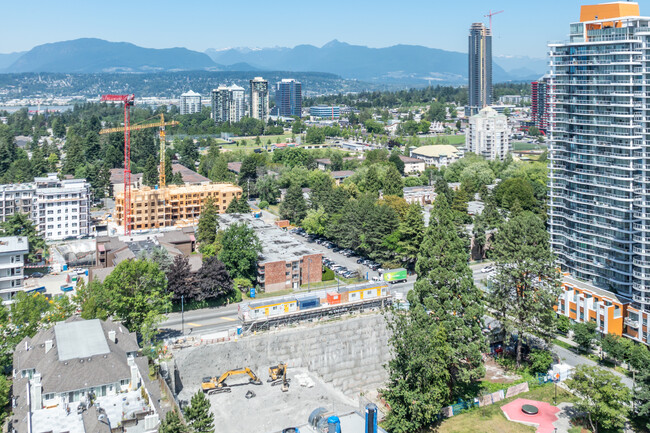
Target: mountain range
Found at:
x=398, y=64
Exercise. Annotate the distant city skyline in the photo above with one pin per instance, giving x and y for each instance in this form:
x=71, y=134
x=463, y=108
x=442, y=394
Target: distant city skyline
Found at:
x=522, y=30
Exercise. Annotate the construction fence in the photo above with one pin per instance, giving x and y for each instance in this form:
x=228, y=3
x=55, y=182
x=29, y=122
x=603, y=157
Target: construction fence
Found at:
x=484, y=400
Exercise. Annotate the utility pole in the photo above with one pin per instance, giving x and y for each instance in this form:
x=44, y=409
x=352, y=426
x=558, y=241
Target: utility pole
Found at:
x=183, y=314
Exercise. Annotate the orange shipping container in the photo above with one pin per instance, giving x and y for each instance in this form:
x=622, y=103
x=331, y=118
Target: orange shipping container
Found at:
x=333, y=298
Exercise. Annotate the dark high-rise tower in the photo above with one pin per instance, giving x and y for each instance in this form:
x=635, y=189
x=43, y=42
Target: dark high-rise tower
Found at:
x=540, y=103
x=288, y=97
x=480, y=67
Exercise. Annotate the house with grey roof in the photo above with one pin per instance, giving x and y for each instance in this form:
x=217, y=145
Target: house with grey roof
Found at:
x=83, y=376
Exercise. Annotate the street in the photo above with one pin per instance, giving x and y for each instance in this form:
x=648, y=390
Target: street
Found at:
x=573, y=359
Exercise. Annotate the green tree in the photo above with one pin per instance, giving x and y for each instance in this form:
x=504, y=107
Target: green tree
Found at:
x=213, y=280
x=417, y=386
x=199, y=415
x=267, y=189
x=563, y=324
x=172, y=424
x=442, y=188
x=540, y=360
x=33, y=312
x=397, y=162
x=19, y=224
x=445, y=287
x=478, y=233
x=603, y=398
x=150, y=175
x=240, y=250
x=315, y=222
x=372, y=181
x=411, y=230
x=336, y=162
x=527, y=283
x=584, y=334
x=392, y=183
x=219, y=171
x=315, y=135
x=294, y=206
x=296, y=127
x=138, y=295
x=208, y=224
x=238, y=205
x=176, y=179
x=58, y=128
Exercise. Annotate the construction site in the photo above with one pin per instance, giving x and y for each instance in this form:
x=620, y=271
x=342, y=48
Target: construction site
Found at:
x=173, y=205
x=274, y=380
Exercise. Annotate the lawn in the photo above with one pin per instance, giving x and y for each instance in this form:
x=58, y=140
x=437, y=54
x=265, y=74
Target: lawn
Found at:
x=262, y=295
x=522, y=145
x=490, y=419
x=455, y=140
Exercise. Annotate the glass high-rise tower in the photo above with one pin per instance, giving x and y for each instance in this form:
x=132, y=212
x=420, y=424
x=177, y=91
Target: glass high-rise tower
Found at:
x=480, y=67
x=599, y=134
x=288, y=97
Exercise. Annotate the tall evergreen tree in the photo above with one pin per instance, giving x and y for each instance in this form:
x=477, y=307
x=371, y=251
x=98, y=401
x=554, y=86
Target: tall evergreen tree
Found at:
x=198, y=414
x=150, y=175
x=219, y=171
x=208, y=223
x=397, y=162
x=322, y=187
x=372, y=181
x=527, y=282
x=445, y=286
x=442, y=187
x=411, y=231
x=238, y=205
x=172, y=424
x=294, y=206
x=392, y=183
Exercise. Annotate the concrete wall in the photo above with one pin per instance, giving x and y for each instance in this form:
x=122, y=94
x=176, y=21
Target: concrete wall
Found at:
x=349, y=354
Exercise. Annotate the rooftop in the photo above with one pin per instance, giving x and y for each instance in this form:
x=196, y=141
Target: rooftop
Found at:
x=605, y=11
x=14, y=244
x=342, y=174
x=189, y=176
x=407, y=159
x=80, y=339
x=191, y=93
x=583, y=285
x=435, y=151
x=277, y=244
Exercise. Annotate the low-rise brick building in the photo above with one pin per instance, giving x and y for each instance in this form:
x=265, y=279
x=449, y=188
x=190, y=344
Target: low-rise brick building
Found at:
x=285, y=262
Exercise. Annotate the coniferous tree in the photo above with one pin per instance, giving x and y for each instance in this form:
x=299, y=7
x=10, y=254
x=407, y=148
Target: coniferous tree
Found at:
x=219, y=171
x=150, y=175
x=411, y=231
x=294, y=206
x=168, y=168
x=238, y=205
x=445, y=287
x=393, y=183
x=172, y=424
x=198, y=414
x=372, y=181
x=19, y=224
x=208, y=224
x=527, y=282
x=397, y=162
x=442, y=188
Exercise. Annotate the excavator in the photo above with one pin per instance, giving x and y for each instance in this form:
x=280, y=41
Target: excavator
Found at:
x=278, y=375
x=214, y=385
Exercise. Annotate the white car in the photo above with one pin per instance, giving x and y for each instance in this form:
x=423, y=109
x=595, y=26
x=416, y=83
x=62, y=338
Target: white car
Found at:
x=487, y=269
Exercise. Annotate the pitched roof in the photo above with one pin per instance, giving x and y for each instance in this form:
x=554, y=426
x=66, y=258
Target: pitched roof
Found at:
x=408, y=159
x=189, y=176
x=341, y=174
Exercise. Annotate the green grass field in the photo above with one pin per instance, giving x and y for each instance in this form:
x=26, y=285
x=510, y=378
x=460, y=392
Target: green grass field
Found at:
x=490, y=419
x=521, y=145
x=454, y=140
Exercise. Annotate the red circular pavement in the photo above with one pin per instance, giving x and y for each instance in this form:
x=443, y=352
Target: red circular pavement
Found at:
x=543, y=420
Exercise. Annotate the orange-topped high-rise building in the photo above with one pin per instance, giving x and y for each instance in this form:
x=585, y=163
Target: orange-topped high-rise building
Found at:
x=599, y=163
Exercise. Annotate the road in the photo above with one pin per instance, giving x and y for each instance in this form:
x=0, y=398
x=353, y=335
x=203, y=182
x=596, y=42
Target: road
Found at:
x=573, y=359
x=210, y=320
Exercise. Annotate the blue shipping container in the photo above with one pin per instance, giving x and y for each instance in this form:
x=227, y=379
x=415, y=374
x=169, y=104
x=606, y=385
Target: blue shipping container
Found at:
x=303, y=304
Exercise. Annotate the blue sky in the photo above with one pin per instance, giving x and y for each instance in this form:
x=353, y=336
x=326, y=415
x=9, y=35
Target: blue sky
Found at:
x=523, y=29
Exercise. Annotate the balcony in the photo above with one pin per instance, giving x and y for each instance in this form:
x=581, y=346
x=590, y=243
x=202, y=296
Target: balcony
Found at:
x=631, y=323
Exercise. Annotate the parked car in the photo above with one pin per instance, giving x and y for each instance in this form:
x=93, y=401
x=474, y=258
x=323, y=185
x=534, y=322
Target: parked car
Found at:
x=336, y=250
x=37, y=275
x=487, y=269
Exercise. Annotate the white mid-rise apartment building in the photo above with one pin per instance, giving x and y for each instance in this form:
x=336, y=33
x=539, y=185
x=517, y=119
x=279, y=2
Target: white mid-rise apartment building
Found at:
x=259, y=99
x=12, y=263
x=59, y=209
x=190, y=103
x=488, y=134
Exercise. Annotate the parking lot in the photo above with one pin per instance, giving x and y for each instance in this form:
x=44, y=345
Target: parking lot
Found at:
x=333, y=257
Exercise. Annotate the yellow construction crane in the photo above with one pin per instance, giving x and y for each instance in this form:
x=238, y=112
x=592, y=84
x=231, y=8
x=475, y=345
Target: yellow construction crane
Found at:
x=161, y=124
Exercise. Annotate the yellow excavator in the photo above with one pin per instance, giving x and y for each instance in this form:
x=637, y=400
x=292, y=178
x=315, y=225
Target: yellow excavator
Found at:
x=278, y=375
x=214, y=385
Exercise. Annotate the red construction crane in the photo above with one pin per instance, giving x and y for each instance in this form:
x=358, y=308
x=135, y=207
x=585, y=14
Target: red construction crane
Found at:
x=128, y=101
x=491, y=14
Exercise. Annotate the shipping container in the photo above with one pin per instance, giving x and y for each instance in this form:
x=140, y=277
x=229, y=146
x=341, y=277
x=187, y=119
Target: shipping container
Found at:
x=333, y=298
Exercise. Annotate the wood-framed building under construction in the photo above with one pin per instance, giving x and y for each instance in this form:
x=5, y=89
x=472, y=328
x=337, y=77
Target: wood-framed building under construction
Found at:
x=173, y=205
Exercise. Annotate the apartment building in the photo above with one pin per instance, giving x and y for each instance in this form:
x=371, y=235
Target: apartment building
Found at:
x=488, y=135
x=190, y=103
x=285, y=262
x=12, y=264
x=599, y=209
x=288, y=97
x=480, y=67
x=539, y=104
x=228, y=104
x=59, y=209
x=259, y=99
x=173, y=205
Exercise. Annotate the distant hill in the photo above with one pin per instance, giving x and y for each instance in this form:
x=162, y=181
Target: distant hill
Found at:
x=409, y=64
x=96, y=55
x=8, y=59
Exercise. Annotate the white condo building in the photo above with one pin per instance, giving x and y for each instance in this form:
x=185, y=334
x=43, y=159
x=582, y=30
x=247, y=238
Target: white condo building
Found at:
x=190, y=103
x=228, y=104
x=59, y=209
x=599, y=134
x=12, y=263
x=488, y=134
